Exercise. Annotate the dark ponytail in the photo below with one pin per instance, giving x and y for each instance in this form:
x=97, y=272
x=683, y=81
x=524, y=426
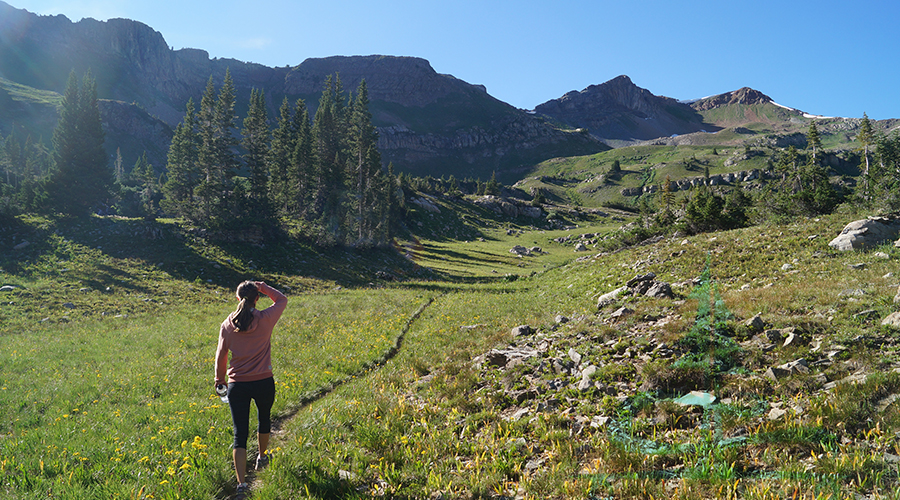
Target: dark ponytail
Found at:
x=243, y=316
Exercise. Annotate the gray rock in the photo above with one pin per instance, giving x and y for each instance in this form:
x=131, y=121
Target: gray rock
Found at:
x=660, y=290
x=621, y=312
x=755, y=324
x=561, y=319
x=776, y=373
x=575, y=356
x=522, y=331
x=22, y=245
x=69, y=305
x=779, y=372
x=599, y=422
x=776, y=413
x=892, y=321
x=633, y=282
x=866, y=233
x=611, y=297
x=897, y=297
x=580, y=247
x=793, y=337
x=585, y=384
x=7, y=288
x=774, y=335
x=519, y=250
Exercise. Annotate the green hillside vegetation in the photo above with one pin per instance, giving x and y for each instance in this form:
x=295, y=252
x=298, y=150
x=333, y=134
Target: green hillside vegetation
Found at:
x=378, y=392
x=586, y=180
x=24, y=93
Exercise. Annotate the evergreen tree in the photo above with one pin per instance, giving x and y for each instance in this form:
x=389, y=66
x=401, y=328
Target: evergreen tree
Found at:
x=493, y=187
x=331, y=157
x=704, y=210
x=256, y=146
x=866, y=138
x=183, y=174
x=210, y=184
x=145, y=176
x=885, y=174
x=369, y=193
x=216, y=158
x=278, y=160
x=82, y=177
x=303, y=162
x=813, y=141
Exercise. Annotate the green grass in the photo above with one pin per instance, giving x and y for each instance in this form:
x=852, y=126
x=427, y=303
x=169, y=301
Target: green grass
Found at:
x=124, y=407
x=25, y=93
x=100, y=406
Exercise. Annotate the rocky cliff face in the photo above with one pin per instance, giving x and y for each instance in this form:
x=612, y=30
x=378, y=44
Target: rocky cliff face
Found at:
x=426, y=119
x=746, y=96
x=619, y=110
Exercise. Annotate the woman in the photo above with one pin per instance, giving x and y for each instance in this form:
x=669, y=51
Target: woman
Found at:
x=247, y=333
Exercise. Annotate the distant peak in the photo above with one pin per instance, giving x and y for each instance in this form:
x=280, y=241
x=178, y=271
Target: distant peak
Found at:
x=744, y=95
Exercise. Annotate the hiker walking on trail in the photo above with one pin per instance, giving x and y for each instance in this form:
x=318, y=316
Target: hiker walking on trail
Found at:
x=247, y=334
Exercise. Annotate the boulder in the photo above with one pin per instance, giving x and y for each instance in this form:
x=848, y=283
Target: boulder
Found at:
x=519, y=250
x=575, y=356
x=610, y=297
x=621, y=313
x=755, y=324
x=786, y=370
x=660, y=289
x=504, y=357
x=522, y=331
x=426, y=204
x=892, y=321
x=866, y=233
x=7, y=288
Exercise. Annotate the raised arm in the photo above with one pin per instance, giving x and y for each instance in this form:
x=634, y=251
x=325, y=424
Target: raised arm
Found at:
x=279, y=299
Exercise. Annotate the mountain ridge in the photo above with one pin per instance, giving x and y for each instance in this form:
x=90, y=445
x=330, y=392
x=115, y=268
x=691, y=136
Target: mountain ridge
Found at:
x=429, y=123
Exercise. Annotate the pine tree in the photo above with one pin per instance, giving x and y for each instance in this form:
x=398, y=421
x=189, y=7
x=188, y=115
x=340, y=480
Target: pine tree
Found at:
x=813, y=141
x=866, y=138
x=303, y=161
x=278, y=160
x=82, y=176
x=145, y=176
x=209, y=185
x=368, y=191
x=330, y=151
x=256, y=146
x=183, y=174
x=216, y=158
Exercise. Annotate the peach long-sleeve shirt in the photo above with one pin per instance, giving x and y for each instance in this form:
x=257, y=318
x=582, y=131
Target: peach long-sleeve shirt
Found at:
x=251, y=351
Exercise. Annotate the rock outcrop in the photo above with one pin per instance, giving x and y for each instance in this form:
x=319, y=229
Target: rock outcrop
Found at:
x=866, y=233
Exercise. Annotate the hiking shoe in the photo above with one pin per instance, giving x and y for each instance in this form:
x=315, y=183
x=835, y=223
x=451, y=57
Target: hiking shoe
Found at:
x=243, y=491
x=262, y=461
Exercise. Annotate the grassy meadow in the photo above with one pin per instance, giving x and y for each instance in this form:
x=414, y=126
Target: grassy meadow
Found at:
x=106, y=349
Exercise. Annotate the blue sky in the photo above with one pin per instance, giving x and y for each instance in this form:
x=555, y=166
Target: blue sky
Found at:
x=823, y=57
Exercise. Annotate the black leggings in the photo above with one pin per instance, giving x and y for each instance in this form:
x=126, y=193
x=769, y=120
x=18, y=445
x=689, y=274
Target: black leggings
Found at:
x=239, y=396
